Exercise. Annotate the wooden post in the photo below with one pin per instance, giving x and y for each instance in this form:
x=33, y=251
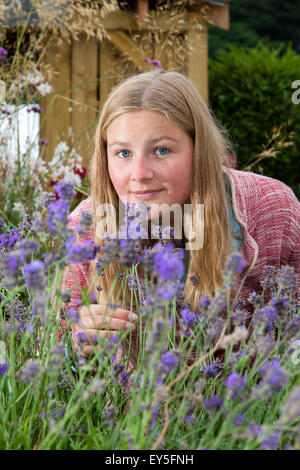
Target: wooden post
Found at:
x=197, y=60
x=55, y=120
x=142, y=11
x=106, y=79
x=84, y=95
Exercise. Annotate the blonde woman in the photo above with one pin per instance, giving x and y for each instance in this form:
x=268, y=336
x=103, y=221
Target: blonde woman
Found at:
x=157, y=142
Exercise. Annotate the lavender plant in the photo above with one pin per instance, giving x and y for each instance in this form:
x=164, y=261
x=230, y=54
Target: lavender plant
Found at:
x=196, y=378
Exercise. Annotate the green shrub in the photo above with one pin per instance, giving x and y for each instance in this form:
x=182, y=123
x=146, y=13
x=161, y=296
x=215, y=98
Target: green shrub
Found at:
x=251, y=95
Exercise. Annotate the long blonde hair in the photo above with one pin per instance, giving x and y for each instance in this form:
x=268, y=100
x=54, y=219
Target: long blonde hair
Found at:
x=175, y=97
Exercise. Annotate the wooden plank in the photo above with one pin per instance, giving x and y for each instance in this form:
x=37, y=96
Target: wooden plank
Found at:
x=55, y=120
x=84, y=81
x=197, y=61
x=126, y=21
x=107, y=79
x=218, y=16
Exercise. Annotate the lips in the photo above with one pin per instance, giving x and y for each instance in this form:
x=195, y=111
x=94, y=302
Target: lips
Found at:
x=147, y=194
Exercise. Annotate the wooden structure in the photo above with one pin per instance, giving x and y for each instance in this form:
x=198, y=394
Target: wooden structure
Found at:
x=85, y=73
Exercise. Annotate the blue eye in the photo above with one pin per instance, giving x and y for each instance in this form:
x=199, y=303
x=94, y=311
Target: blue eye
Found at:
x=124, y=151
x=163, y=148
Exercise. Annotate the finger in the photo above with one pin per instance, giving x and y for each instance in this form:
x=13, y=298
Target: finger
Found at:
x=106, y=323
x=101, y=310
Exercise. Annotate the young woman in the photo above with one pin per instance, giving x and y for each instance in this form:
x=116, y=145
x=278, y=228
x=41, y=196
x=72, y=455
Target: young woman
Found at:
x=157, y=142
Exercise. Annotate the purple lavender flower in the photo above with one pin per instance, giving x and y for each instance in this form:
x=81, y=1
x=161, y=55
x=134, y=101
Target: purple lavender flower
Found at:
x=165, y=292
x=168, y=265
x=271, y=442
x=85, y=221
x=124, y=378
x=128, y=253
x=218, y=303
x=79, y=252
x=57, y=216
x=274, y=375
x=27, y=247
x=264, y=344
x=132, y=282
x=212, y=370
x=269, y=279
x=195, y=281
x=239, y=317
x=187, y=319
x=168, y=361
x=43, y=142
x=239, y=420
x=108, y=252
x=213, y=403
x=254, y=430
x=156, y=62
x=286, y=278
x=3, y=52
x=3, y=368
x=65, y=190
x=34, y=276
x=10, y=268
x=292, y=328
x=203, y=303
x=255, y=299
x=147, y=59
x=81, y=337
x=265, y=318
x=235, y=384
x=235, y=264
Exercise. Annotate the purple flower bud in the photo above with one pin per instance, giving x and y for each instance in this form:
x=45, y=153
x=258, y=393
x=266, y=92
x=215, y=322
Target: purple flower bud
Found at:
x=156, y=62
x=235, y=264
x=34, y=276
x=168, y=265
x=81, y=337
x=168, y=361
x=65, y=190
x=274, y=375
x=234, y=384
x=3, y=52
x=3, y=368
x=213, y=403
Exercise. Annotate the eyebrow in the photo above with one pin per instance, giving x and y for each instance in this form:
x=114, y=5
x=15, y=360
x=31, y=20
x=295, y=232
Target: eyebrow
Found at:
x=155, y=139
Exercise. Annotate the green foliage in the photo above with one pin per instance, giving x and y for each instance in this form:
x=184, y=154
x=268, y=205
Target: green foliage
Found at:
x=251, y=95
x=272, y=21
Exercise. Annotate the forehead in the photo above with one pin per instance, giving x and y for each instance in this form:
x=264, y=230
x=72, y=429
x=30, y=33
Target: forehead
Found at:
x=130, y=123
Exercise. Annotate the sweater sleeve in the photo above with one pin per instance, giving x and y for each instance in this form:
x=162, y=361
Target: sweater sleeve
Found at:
x=278, y=224
x=76, y=276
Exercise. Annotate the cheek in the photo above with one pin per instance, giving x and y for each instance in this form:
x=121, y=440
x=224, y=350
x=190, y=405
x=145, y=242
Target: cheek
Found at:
x=179, y=178
x=117, y=178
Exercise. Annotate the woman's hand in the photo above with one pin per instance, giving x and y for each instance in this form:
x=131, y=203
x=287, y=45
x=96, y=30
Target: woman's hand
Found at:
x=94, y=322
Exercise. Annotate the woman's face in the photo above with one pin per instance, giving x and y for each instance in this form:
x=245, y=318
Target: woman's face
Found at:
x=149, y=160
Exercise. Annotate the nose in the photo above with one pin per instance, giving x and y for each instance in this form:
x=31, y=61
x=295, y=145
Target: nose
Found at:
x=142, y=170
